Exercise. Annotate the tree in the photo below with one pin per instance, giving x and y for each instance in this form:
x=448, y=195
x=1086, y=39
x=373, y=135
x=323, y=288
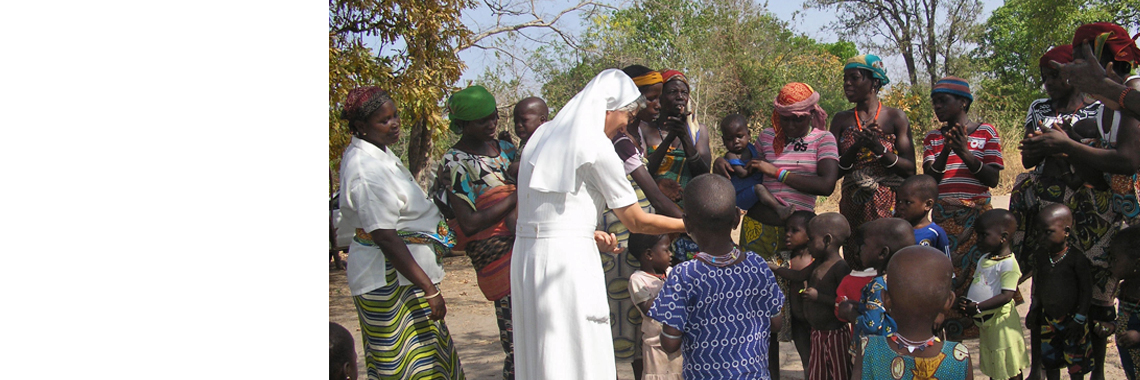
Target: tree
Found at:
x=411, y=48
x=415, y=60
x=928, y=34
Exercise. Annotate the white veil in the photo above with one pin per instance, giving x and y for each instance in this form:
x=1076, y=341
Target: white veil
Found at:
x=573, y=138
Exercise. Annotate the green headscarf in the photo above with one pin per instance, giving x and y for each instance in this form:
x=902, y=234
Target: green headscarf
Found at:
x=472, y=103
x=871, y=63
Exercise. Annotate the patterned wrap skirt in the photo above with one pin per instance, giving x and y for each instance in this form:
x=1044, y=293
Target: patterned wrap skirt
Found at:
x=400, y=341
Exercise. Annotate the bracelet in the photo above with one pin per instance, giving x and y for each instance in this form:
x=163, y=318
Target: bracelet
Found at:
x=979, y=169
x=1122, y=93
x=432, y=296
x=1080, y=318
x=667, y=335
x=936, y=170
x=848, y=167
x=897, y=161
x=783, y=175
x=977, y=308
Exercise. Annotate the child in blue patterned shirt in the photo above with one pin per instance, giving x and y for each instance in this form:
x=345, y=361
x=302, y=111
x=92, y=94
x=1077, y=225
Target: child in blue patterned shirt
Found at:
x=720, y=309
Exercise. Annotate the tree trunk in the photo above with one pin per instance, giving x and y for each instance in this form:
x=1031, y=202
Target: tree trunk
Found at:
x=419, y=148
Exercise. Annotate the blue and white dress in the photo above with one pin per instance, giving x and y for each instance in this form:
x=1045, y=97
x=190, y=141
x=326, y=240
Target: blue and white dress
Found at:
x=725, y=315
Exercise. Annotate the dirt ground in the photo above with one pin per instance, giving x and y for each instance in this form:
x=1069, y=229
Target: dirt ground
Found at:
x=471, y=319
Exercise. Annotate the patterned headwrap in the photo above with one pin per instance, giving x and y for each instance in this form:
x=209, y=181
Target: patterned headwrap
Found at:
x=871, y=63
x=953, y=86
x=649, y=79
x=669, y=75
x=795, y=99
x=363, y=101
x=472, y=103
x=1061, y=54
x=1112, y=36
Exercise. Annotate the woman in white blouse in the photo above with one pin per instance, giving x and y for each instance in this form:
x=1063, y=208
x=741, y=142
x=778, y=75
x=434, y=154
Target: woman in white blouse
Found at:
x=569, y=172
x=394, y=262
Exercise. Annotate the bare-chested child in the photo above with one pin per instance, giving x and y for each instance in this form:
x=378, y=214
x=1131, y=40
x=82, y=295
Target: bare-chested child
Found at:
x=529, y=113
x=746, y=178
x=796, y=240
x=918, y=292
x=830, y=337
x=1125, y=251
x=1062, y=293
x=878, y=240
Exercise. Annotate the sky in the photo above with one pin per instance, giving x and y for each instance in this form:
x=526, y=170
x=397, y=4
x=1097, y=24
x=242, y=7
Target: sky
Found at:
x=813, y=23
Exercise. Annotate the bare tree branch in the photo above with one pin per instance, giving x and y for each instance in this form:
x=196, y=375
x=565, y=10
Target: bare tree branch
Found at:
x=538, y=22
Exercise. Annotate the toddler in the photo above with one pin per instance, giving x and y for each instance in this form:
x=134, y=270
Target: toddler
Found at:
x=918, y=292
x=652, y=251
x=990, y=298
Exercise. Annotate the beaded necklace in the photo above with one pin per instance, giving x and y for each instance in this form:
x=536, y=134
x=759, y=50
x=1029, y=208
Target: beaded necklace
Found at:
x=1053, y=263
x=860, y=124
x=720, y=261
x=911, y=345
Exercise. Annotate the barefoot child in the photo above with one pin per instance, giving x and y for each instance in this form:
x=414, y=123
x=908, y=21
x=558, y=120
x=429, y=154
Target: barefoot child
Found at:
x=652, y=251
x=721, y=307
x=990, y=298
x=1125, y=251
x=915, y=199
x=747, y=181
x=918, y=291
x=830, y=337
x=880, y=239
x=1062, y=293
x=796, y=239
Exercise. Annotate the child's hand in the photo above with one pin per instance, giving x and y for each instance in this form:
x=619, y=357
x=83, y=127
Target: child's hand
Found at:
x=606, y=242
x=772, y=266
x=1129, y=338
x=1073, y=331
x=846, y=309
x=765, y=167
x=810, y=294
x=968, y=307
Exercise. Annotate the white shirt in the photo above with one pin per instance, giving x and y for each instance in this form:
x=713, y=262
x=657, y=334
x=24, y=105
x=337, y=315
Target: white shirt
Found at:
x=378, y=192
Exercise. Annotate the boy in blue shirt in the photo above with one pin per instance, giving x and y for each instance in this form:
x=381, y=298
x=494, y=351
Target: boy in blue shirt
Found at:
x=720, y=308
x=913, y=202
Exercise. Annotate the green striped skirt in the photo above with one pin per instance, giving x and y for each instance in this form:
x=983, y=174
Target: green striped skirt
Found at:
x=400, y=342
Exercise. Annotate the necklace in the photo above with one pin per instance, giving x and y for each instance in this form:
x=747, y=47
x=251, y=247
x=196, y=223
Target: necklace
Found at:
x=1002, y=257
x=1053, y=263
x=911, y=345
x=722, y=260
x=660, y=276
x=877, y=110
x=797, y=144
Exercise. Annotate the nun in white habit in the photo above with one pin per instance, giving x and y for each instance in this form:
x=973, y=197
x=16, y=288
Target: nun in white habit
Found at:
x=569, y=172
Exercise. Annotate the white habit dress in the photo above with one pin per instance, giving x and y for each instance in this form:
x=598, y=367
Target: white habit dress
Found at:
x=558, y=291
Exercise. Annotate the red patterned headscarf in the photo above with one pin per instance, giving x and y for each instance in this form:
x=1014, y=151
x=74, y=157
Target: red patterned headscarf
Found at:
x=1108, y=35
x=795, y=99
x=669, y=75
x=1061, y=54
x=363, y=101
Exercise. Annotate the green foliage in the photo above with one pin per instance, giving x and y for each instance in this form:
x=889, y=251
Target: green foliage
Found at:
x=736, y=54
x=415, y=60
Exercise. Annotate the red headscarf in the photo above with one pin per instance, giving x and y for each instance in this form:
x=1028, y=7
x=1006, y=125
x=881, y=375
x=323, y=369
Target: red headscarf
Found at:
x=1061, y=54
x=1108, y=35
x=668, y=75
x=795, y=99
x=363, y=101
